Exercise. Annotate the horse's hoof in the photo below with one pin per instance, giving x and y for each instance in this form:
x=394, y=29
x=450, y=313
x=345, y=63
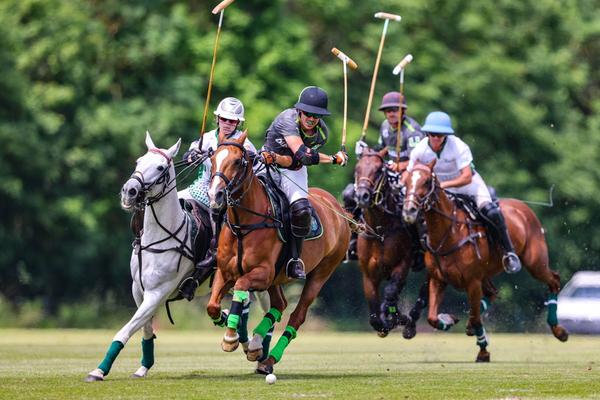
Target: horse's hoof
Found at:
x=263, y=369
x=382, y=334
x=140, y=373
x=483, y=356
x=404, y=319
x=95, y=376
x=560, y=333
x=409, y=331
x=230, y=343
x=255, y=348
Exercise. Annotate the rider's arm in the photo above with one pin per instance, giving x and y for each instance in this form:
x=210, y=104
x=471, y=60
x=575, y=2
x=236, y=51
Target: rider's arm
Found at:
x=465, y=177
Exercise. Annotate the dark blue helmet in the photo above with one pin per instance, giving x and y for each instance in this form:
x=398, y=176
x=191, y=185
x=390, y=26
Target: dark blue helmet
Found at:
x=313, y=100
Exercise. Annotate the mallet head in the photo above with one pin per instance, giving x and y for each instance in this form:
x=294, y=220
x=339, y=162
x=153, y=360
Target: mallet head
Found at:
x=339, y=54
x=384, y=15
x=222, y=5
x=405, y=61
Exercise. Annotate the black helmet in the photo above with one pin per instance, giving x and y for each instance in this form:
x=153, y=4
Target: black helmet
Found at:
x=313, y=100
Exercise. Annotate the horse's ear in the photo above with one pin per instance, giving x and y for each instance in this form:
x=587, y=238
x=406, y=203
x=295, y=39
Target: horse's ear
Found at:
x=431, y=164
x=174, y=149
x=242, y=137
x=149, y=142
x=383, y=152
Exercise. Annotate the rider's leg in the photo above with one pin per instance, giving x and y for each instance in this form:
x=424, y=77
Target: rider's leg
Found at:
x=510, y=261
x=351, y=207
x=204, y=268
x=301, y=216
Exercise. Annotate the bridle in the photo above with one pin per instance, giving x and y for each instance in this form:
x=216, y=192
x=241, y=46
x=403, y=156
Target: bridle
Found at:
x=235, y=184
x=426, y=201
x=375, y=187
x=164, y=178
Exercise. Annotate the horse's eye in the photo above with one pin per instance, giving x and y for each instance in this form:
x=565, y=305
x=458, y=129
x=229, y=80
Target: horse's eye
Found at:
x=160, y=168
x=237, y=162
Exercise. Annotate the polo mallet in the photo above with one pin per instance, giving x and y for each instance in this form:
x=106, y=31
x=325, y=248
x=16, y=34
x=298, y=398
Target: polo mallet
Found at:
x=220, y=8
x=387, y=17
x=346, y=61
x=399, y=69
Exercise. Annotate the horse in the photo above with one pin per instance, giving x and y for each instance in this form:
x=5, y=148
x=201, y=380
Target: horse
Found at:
x=162, y=258
x=385, y=252
x=461, y=254
x=249, y=248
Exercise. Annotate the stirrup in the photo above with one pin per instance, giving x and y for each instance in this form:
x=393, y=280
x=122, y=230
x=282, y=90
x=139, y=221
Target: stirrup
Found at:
x=188, y=287
x=295, y=274
x=511, y=263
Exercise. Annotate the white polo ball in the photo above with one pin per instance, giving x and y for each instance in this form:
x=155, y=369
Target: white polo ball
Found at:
x=270, y=379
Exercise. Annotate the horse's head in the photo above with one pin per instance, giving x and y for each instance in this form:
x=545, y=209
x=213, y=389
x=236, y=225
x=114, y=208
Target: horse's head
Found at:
x=420, y=185
x=154, y=174
x=369, y=175
x=231, y=165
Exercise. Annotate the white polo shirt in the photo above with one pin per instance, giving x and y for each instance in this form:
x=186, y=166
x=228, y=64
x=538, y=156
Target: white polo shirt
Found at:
x=455, y=155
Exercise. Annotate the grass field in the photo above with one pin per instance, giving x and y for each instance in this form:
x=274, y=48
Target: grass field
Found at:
x=51, y=364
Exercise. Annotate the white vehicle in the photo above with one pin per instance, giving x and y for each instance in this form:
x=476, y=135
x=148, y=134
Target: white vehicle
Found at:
x=579, y=303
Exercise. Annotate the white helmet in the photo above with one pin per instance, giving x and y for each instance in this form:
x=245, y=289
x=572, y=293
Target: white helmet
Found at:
x=230, y=108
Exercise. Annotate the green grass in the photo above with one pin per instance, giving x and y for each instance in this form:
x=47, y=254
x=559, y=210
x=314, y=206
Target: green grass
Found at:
x=51, y=364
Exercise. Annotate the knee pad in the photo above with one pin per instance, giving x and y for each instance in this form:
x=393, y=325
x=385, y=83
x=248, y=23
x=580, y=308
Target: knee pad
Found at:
x=300, y=210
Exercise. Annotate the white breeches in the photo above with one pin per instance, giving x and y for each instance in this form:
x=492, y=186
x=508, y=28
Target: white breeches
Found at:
x=476, y=189
x=295, y=184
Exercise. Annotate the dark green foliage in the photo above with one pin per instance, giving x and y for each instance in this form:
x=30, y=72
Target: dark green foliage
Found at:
x=81, y=81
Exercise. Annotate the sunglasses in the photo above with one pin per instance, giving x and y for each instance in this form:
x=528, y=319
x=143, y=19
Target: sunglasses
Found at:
x=312, y=115
x=435, y=135
x=231, y=121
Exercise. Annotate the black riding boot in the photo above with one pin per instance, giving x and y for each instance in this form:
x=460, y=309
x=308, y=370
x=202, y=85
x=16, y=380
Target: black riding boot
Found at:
x=301, y=215
x=351, y=207
x=204, y=268
x=510, y=260
x=295, y=266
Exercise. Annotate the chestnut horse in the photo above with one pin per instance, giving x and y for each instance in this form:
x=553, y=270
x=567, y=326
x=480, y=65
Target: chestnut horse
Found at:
x=461, y=254
x=385, y=250
x=249, y=248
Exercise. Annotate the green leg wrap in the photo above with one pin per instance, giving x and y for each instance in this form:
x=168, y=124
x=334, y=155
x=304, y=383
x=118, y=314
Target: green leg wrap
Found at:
x=243, y=327
x=552, y=304
x=112, y=353
x=485, y=304
x=221, y=320
x=266, y=344
x=148, y=352
x=482, y=341
x=283, y=342
x=237, y=305
x=272, y=316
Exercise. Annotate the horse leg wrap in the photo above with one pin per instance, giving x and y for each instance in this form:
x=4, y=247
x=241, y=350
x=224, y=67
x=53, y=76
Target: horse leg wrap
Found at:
x=237, y=304
x=220, y=320
x=445, y=322
x=272, y=316
x=482, y=340
x=552, y=303
x=112, y=353
x=148, y=352
x=266, y=343
x=484, y=304
x=283, y=342
x=243, y=327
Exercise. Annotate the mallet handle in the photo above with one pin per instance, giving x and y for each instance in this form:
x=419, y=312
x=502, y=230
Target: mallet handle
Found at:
x=221, y=6
x=339, y=54
x=384, y=15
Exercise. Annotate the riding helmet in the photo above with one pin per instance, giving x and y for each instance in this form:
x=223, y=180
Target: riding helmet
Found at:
x=313, y=100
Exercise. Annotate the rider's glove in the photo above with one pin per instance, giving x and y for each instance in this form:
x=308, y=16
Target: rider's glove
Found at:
x=194, y=155
x=360, y=147
x=268, y=157
x=340, y=158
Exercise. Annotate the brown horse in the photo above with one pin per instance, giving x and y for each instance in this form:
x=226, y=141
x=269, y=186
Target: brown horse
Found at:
x=385, y=250
x=460, y=253
x=249, y=248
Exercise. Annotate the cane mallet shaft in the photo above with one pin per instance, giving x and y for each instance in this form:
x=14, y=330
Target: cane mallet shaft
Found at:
x=220, y=8
x=399, y=69
x=386, y=17
x=346, y=61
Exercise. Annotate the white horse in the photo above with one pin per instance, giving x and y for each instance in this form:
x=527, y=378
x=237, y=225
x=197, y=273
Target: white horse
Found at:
x=166, y=249
x=166, y=252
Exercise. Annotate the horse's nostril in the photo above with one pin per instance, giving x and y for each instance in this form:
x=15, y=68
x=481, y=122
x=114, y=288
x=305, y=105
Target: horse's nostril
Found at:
x=219, y=197
x=132, y=192
x=365, y=197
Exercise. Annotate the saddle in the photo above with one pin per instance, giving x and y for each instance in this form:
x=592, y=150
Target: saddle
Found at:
x=201, y=226
x=280, y=211
x=468, y=205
